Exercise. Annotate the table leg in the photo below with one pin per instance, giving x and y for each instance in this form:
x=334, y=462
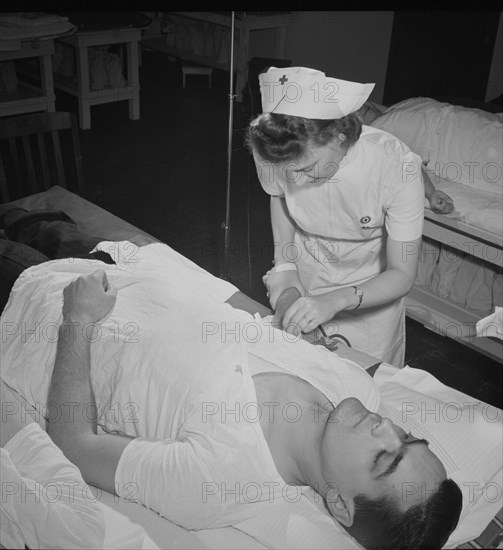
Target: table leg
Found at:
x=133, y=80
x=48, y=82
x=83, y=87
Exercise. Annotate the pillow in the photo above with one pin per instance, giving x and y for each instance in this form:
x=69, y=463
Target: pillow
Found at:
x=465, y=433
x=412, y=121
x=457, y=143
x=467, y=147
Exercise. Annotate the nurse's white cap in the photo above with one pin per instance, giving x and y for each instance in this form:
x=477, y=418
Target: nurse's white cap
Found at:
x=308, y=93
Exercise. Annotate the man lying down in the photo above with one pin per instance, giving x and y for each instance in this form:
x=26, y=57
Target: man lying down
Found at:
x=160, y=391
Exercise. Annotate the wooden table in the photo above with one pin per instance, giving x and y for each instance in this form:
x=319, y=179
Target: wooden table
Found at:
x=243, y=29
x=81, y=41
x=31, y=97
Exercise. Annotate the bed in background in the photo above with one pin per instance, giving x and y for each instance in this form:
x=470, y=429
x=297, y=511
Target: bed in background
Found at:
x=459, y=278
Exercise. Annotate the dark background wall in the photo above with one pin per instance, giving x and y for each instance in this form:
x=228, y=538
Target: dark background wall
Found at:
x=436, y=53
x=440, y=54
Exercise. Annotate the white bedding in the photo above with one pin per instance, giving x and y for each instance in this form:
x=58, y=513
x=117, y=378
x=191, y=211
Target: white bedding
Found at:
x=34, y=311
x=457, y=143
x=287, y=530
x=462, y=150
x=130, y=525
x=475, y=207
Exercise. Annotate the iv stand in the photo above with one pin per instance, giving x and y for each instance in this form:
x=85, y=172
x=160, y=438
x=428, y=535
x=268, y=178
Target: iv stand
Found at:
x=225, y=224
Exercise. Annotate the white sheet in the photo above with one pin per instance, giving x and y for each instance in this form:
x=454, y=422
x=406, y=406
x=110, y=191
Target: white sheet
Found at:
x=289, y=530
x=461, y=144
x=186, y=284
x=476, y=207
x=465, y=433
x=130, y=525
x=462, y=149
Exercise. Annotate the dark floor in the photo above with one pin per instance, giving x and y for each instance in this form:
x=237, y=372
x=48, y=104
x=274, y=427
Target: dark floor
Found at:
x=167, y=173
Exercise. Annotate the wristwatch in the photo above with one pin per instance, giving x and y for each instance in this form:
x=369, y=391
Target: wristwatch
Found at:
x=359, y=293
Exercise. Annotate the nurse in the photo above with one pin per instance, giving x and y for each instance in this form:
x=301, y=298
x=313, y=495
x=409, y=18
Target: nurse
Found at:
x=346, y=209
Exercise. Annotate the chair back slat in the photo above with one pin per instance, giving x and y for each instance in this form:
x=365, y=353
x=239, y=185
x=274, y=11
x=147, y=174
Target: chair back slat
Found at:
x=60, y=168
x=39, y=151
x=79, y=172
x=30, y=166
x=4, y=188
x=15, y=162
x=43, y=160
x=32, y=124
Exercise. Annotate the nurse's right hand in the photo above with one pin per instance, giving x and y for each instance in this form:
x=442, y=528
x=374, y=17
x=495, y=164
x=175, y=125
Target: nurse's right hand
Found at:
x=276, y=283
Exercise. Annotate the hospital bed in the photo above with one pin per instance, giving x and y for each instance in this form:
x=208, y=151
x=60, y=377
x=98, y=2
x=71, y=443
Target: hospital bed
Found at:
x=460, y=277
x=129, y=525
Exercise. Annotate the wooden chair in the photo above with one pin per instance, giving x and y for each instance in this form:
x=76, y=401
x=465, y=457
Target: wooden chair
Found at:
x=38, y=151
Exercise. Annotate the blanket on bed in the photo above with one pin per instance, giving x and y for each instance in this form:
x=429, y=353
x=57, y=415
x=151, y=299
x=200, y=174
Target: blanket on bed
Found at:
x=196, y=332
x=462, y=150
x=299, y=526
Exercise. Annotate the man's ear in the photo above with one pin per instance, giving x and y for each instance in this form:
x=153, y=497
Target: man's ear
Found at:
x=342, y=508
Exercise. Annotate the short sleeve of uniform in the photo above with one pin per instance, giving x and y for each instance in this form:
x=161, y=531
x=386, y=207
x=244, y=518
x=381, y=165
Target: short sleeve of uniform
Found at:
x=404, y=195
x=270, y=177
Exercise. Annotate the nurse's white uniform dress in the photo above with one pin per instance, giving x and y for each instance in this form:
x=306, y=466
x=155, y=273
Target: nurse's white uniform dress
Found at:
x=341, y=231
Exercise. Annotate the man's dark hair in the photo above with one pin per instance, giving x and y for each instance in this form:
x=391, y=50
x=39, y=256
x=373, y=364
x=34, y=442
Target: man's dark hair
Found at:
x=379, y=524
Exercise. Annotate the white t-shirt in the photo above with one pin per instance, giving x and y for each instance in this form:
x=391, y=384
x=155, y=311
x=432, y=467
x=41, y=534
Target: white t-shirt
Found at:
x=171, y=365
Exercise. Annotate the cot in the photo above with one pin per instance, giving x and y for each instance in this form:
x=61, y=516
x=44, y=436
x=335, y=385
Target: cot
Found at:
x=131, y=525
x=460, y=273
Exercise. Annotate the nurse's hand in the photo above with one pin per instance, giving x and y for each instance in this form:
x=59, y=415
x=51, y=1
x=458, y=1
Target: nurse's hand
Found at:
x=306, y=313
x=277, y=282
x=441, y=203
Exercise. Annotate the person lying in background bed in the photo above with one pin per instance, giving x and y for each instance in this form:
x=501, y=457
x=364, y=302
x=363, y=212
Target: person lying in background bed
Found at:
x=193, y=406
x=439, y=201
x=456, y=143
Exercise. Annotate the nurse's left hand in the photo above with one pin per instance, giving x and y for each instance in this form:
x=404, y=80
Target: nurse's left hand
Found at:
x=306, y=313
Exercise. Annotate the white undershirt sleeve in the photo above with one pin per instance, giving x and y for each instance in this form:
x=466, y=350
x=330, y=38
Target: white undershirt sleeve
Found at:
x=164, y=476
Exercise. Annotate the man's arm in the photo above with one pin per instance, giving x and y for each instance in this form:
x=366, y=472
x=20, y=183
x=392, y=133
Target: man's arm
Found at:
x=72, y=424
x=440, y=202
x=239, y=300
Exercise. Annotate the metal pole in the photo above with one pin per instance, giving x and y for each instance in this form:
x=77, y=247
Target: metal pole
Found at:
x=226, y=225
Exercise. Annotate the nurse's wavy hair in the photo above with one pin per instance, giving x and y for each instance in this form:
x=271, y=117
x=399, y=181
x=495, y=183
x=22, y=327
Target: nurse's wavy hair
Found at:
x=380, y=525
x=279, y=138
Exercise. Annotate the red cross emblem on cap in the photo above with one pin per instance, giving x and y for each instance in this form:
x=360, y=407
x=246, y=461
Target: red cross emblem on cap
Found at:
x=283, y=79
